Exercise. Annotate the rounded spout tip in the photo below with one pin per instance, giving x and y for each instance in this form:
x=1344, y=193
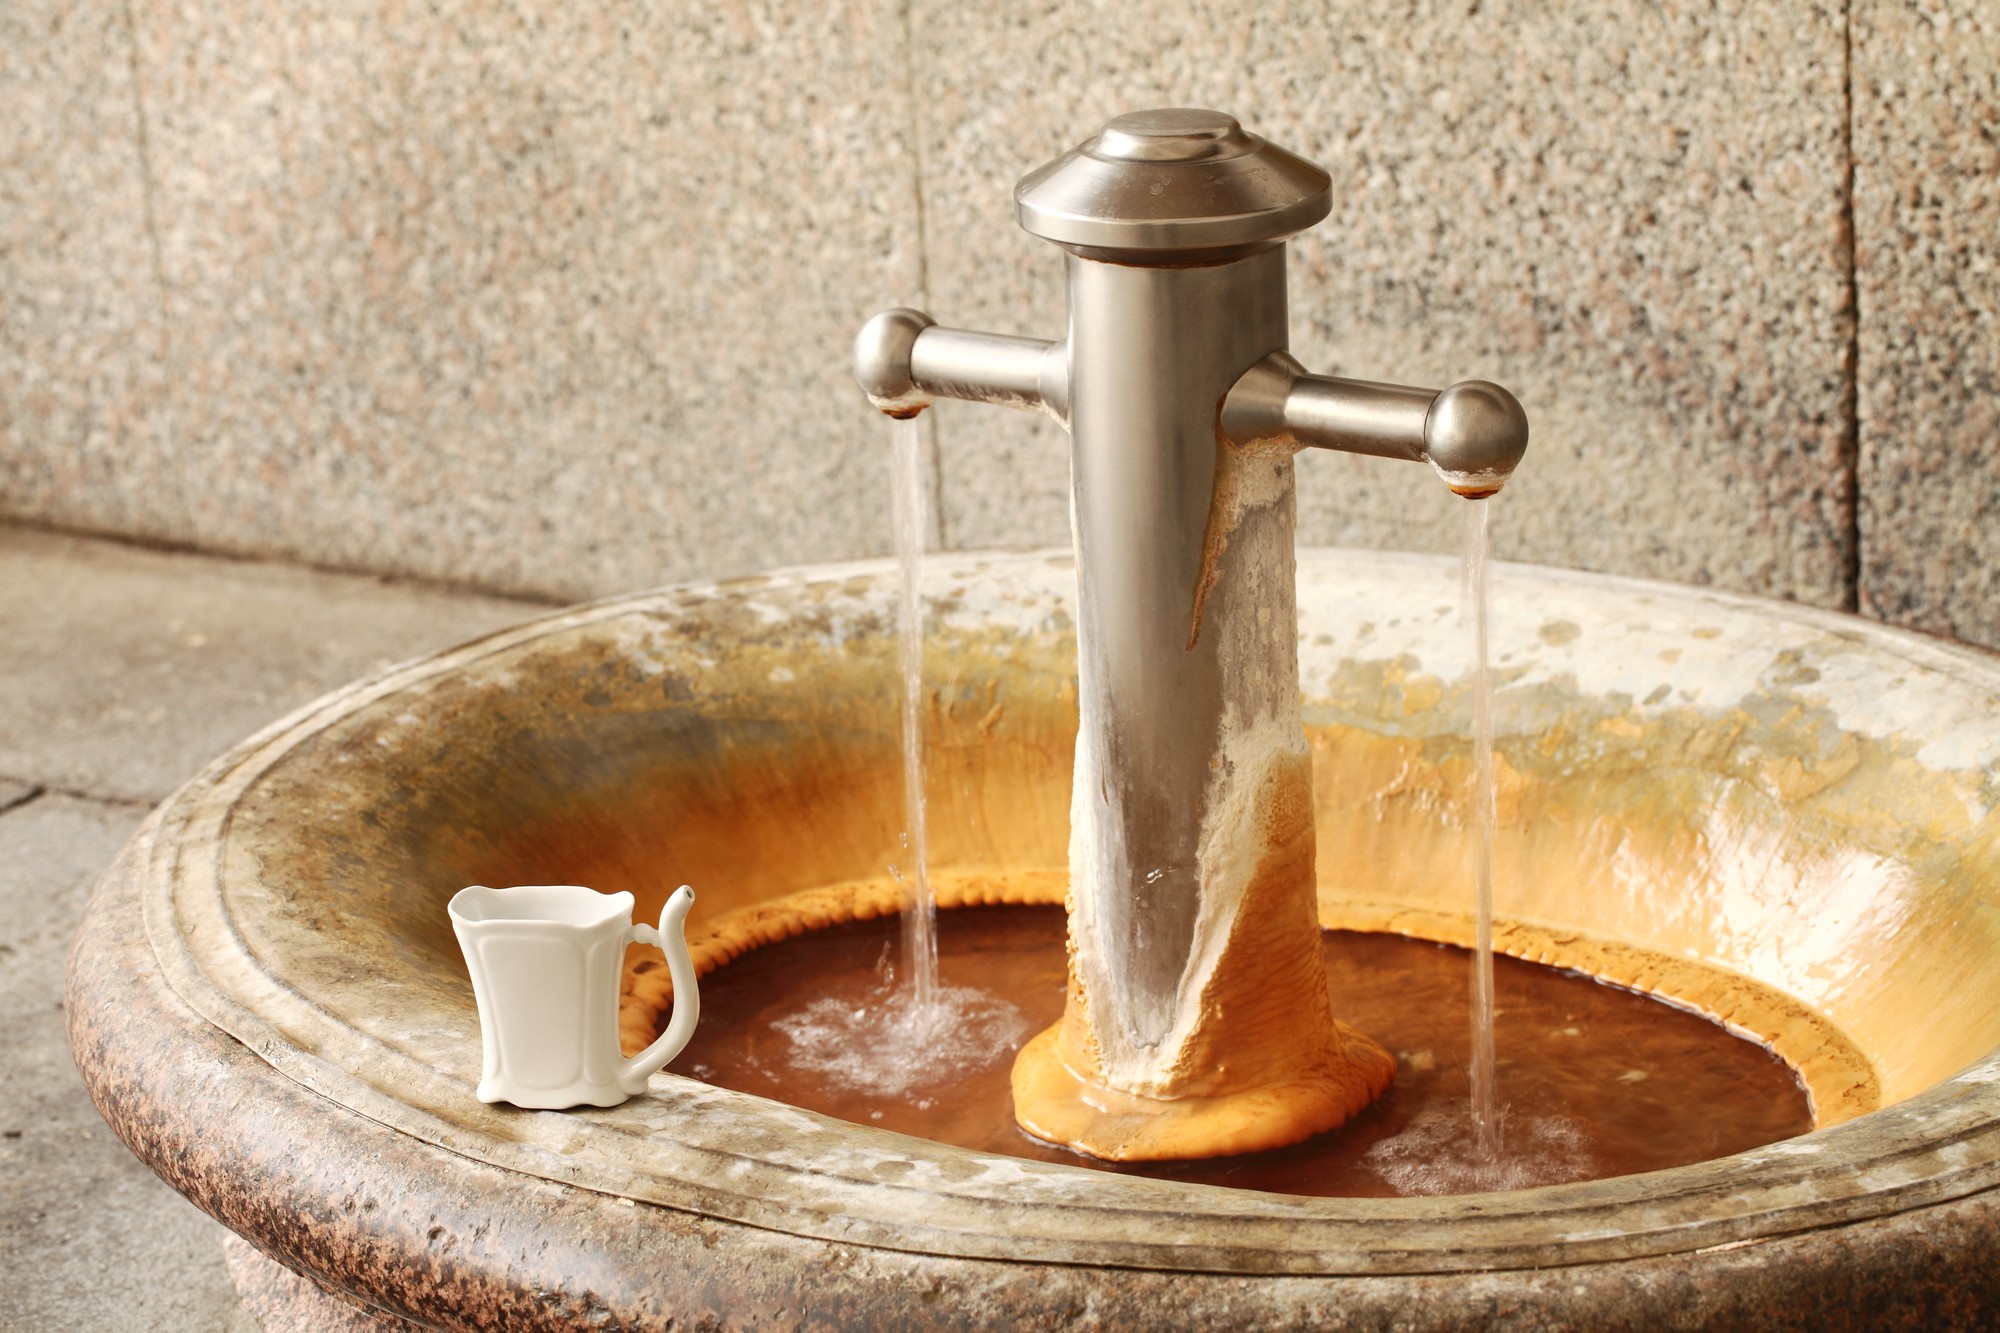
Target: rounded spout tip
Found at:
x=1475, y=435
x=882, y=353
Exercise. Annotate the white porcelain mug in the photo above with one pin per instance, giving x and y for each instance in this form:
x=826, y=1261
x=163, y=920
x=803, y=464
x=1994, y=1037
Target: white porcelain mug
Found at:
x=545, y=962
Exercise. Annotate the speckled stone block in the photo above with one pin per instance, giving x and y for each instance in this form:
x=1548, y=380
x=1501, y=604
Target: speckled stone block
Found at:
x=1927, y=267
x=557, y=301
x=81, y=418
x=561, y=303
x=1632, y=214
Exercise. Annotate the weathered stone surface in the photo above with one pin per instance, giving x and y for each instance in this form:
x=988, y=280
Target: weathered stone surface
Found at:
x=127, y=669
x=92, y=1238
x=81, y=389
x=1888, y=1219
x=559, y=304
x=1640, y=231
x=1927, y=268
x=282, y=1299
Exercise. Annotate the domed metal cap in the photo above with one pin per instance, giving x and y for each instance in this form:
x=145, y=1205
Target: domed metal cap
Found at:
x=1172, y=180
x=1475, y=436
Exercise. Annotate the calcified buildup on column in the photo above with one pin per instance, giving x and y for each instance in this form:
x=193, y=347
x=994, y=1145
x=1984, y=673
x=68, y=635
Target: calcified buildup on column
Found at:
x=1246, y=1053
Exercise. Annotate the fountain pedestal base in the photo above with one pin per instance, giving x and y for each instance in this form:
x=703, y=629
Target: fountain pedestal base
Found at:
x=1053, y=1102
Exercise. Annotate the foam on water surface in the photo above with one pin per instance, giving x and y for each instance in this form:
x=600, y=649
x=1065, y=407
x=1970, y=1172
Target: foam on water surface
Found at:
x=892, y=1047
x=1440, y=1153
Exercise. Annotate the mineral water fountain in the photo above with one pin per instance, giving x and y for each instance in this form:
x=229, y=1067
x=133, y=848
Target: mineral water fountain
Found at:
x=1197, y=1021
x=1777, y=818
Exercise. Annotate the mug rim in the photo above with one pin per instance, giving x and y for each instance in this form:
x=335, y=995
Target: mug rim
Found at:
x=539, y=905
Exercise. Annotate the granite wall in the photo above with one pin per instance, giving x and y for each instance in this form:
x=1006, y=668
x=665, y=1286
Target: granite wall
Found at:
x=1927, y=279
x=556, y=299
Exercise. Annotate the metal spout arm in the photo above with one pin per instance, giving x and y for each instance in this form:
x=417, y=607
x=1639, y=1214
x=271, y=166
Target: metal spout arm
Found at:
x=1473, y=434
x=904, y=361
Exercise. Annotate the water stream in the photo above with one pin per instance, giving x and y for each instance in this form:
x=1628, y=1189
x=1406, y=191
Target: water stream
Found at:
x=920, y=969
x=1486, y=1110
x=901, y=1035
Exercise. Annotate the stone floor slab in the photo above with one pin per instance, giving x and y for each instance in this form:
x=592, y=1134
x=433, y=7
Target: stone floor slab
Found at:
x=127, y=669
x=92, y=1239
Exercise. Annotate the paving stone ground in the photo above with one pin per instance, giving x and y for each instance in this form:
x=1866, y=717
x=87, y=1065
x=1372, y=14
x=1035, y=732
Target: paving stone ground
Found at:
x=123, y=671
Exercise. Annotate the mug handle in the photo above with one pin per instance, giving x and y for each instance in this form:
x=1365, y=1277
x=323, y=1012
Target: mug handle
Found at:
x=671, y=939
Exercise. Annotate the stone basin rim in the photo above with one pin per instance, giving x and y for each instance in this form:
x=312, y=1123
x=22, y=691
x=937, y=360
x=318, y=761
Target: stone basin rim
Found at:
x=1941, y=1144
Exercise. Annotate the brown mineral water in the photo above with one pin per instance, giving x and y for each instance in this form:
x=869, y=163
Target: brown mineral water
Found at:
x=1595, y=1081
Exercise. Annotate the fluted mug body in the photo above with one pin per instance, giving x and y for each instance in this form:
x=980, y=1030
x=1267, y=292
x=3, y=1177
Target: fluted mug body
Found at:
x=545, y=962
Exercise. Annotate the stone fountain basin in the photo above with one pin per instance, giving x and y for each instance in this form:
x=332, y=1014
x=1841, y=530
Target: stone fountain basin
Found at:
x=1776, y=815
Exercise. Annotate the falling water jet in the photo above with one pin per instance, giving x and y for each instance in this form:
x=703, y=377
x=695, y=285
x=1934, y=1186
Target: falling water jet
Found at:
x=920, y=969
x=909, y=1034
x=1434, y=1154
x=1485, y=1092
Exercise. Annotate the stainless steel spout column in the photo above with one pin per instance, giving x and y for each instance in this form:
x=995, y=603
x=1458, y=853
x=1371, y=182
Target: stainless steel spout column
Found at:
x=1197, y=1020
x=1152, y=351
